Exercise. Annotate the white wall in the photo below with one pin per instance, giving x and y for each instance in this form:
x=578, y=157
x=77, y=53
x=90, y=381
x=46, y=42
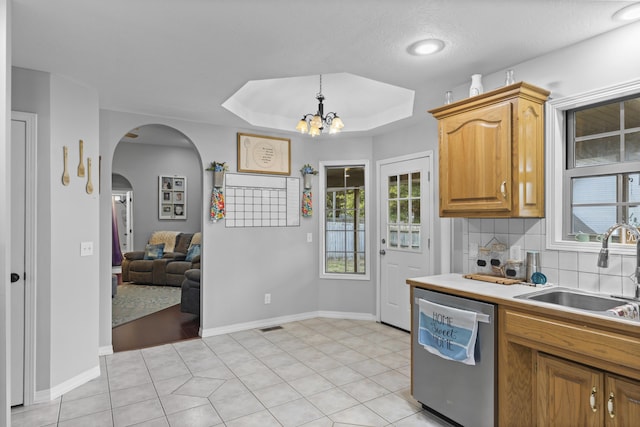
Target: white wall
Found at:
x=603, y=61
x=240, y=265
x=67, y=285
x=141, y=165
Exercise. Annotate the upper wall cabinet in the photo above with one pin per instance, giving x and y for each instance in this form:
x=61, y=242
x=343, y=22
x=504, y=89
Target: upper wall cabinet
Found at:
x=492, y=154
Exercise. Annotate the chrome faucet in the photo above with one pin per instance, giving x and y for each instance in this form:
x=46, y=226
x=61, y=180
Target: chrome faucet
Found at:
x=603, y=258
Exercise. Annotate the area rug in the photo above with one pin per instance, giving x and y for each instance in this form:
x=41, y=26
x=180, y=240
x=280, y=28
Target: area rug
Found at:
x=136, y=301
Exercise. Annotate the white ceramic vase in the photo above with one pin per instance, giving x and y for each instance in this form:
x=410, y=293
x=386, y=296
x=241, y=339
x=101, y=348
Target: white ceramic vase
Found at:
x=476, y=85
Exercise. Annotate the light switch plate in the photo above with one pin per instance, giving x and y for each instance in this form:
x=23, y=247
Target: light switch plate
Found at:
x=309, y=237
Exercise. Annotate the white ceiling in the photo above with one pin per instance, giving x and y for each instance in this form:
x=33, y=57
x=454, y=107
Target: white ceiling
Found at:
x=184, y=58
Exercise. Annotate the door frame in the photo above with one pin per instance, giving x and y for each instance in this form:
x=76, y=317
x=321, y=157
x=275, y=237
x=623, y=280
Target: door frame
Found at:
x=428, y=156
x=30, y=254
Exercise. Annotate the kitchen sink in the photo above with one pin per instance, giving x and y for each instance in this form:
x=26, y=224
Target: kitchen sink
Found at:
x=571, y=298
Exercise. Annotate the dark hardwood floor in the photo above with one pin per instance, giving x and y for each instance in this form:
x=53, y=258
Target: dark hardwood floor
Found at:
x=162, y=327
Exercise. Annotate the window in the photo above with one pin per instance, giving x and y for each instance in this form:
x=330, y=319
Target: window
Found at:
x=593, y=167
x=603, y=163
x=403, y=222
x=345, y=220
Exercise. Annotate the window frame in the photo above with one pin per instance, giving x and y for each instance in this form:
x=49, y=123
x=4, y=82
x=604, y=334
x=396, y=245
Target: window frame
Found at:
x=322, y=212
x=555, y=147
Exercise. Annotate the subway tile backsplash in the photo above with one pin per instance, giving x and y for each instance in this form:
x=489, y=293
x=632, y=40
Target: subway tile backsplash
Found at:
x=565, y=268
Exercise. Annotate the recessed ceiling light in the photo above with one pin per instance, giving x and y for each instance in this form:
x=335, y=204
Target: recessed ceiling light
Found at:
x=628, y=13
x=426, y=47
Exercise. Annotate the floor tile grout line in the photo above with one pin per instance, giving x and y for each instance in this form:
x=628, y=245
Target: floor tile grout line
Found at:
x=244, y=343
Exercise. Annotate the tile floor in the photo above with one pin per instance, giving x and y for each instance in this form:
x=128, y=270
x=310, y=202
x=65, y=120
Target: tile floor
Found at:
x=317, y=373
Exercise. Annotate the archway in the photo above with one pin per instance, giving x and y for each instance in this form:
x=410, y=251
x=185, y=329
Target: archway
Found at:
x=147, y=155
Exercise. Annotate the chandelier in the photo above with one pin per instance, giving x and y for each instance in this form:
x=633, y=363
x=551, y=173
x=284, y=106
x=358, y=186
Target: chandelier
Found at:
x=314, y=124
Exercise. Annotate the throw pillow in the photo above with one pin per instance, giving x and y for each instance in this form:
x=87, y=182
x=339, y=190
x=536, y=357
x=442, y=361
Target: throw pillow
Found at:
x=194, y=251
x=154, y=251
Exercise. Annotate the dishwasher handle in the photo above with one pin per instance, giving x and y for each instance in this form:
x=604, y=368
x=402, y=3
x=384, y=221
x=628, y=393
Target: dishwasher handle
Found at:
x=480, y=317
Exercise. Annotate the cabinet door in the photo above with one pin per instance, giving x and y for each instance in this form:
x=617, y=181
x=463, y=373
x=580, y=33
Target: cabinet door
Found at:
x=475, y=161
x=623, y=402
x=568, y=394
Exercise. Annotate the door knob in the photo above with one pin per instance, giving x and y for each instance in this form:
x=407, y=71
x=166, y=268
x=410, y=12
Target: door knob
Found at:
x=382, y=252
x=15, y=277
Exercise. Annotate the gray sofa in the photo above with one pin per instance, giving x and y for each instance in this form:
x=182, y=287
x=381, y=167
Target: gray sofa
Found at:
x=167, y=270
x=190, y=299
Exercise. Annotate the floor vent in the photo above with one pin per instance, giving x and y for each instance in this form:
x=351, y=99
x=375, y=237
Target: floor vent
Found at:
x=273, y=328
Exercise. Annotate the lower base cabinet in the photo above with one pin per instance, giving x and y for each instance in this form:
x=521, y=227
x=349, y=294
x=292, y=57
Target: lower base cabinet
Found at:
x=571, y=394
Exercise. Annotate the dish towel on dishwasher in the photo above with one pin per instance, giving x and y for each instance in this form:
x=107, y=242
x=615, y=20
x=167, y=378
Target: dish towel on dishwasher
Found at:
x=449, y=332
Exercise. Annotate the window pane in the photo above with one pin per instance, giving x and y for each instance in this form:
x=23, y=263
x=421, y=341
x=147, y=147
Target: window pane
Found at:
x=393, y=211
x=634, y=187
x=632, y=147
x=415, y=184
x=344, y=219
x=634, y=215
x=361, y=262
x=597, y=189
x=340, y=200
x=354, y=177
x=404, y=185
x=393, y=187
x=415, y=237
x=415, y=211
x=632, y=113
x=593, y=219
x=404, y=211
x=598, y=151
x=393, y=236
x=595, y=120
x=336, y=262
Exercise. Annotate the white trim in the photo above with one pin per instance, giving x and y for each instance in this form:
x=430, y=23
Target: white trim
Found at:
x=105, y=350
x=367, y=221
x=554, y=147
x=265, y=323
x=432, y=212
x=30, y=253
x=57, y=391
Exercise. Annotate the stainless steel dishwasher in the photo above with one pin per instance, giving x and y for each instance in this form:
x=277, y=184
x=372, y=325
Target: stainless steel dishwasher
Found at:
x=465, y=394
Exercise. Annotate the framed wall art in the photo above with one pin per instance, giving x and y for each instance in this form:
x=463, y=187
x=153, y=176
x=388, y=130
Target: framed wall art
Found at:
x=172, y=197
x=264, y=154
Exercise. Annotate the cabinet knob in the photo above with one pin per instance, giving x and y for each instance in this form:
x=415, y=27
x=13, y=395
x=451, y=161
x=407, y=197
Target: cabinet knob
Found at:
x=592, y=399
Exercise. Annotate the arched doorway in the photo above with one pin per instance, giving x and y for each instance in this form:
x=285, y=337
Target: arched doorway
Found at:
x=151, y=315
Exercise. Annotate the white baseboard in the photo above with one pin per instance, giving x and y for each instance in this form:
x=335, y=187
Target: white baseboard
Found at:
x=105, y=350
x=274, y=321
x=57, y=391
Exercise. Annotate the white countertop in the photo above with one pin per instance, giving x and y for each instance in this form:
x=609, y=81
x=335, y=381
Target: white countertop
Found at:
x=486, y=289
x=504, y=293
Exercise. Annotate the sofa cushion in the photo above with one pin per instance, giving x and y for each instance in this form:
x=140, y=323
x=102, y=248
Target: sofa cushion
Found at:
x=197, y=238
x=166, y=237
x=194, y=250
x=154, y=251
x=182, y=242
x=193, y=275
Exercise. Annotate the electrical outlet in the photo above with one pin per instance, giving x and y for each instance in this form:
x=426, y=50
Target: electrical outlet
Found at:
x=86, y=248
x=309, y=237
x=267, y=298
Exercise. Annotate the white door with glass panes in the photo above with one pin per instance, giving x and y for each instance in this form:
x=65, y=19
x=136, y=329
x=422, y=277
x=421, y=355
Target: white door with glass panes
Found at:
x=405, y=212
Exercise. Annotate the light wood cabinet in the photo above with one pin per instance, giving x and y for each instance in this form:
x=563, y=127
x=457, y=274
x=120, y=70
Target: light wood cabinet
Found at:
x=491, y=154
x=555, y=371
x=572, y=394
